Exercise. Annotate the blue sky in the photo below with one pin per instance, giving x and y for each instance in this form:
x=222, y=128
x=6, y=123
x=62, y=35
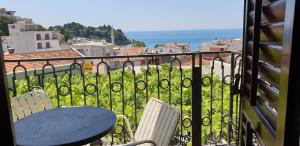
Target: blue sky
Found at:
x=134, y=15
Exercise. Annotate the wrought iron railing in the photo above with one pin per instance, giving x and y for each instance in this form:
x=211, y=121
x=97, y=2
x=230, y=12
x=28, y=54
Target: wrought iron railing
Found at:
x=203, y=86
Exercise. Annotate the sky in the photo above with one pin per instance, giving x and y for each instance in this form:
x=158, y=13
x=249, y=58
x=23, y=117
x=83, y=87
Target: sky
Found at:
x=133, y=15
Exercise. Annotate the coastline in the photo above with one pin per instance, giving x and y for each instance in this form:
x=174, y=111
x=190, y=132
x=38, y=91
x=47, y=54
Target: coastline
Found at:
x=192, y=37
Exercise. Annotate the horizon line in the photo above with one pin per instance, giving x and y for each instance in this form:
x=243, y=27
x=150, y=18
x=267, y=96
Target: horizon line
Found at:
x=183, y=30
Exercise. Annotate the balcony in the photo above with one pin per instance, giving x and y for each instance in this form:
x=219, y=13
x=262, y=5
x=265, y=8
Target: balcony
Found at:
x=205, y=91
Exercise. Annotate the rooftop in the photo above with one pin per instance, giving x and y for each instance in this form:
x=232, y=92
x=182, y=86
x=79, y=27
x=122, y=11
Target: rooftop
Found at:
x=9, y=66
x=92, y=43
x=131, y=51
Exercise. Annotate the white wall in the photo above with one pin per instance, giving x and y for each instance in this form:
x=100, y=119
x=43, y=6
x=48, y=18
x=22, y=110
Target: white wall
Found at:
x=22, y=38
x=54, y=43
x=163, y=50
x=26, y=42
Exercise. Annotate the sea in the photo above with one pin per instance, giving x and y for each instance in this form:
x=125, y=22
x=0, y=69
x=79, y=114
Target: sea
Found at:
x=192, y=37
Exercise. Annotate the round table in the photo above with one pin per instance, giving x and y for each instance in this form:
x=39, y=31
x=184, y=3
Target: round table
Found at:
x=65, y=126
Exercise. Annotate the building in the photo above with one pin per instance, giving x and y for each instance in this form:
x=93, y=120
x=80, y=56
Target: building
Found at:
x=169, y=48
x=27, y=37
x=91, y=48
x=219, y=46
x=131, y=51
x=222, y=45
x=4, y=12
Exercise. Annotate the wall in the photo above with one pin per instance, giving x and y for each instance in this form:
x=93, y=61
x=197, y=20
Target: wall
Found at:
x=24, y=42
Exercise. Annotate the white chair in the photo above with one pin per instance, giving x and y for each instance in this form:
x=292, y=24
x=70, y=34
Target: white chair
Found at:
x=29, y=103
x=156, y=127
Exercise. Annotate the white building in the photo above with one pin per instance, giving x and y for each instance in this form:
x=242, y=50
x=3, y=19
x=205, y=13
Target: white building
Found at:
x=25, y=37
x=221, y=45
x=169, y=48
x=93, y=48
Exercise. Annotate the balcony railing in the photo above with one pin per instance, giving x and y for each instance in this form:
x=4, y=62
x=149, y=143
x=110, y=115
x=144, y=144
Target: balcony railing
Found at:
x=205, y=91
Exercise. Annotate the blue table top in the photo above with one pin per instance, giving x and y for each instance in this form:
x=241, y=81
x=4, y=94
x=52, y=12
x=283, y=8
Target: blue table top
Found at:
x=65, y=126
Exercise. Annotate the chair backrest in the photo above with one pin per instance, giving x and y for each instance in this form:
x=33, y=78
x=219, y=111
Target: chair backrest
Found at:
x=158, y=123
x=29, y=103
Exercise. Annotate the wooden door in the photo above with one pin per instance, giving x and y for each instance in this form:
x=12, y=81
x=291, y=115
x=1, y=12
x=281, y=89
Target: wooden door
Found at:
x=269, y=99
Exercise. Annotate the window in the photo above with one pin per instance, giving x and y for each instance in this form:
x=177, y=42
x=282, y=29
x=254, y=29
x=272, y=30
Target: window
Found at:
x=13, y=26
x=47, y=37
x=40, y=45
x=38, y=37
x=54, y=36
x=47, y=45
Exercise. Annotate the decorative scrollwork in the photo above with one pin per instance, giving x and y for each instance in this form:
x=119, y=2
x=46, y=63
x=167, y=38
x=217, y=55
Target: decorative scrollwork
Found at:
x=88, y=87
x=187, y=122
x=206, y=81
x=140, y=85
x=64, y=90
x=225, y=119
x=116, y=87
x=164, y=83
x=206, y=121
x=225, y=79
x=187, y=83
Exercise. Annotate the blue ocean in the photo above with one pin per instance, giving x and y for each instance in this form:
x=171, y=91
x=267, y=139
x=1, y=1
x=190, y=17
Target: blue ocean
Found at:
x=192, y=37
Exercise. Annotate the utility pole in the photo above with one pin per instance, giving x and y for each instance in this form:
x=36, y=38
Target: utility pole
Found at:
x=112, y=36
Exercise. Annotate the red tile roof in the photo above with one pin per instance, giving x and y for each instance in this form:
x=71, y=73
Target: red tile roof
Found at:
x=9, y=66
x=132, y=51
x=173, y=45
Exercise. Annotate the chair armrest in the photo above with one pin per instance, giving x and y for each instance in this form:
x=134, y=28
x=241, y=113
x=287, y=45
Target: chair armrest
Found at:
x=139, y=143
x=129, y=130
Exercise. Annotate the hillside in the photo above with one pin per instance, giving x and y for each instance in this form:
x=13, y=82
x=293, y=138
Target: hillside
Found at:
x=74, y=29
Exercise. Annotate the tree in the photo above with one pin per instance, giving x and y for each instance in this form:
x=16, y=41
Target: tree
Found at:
x=41, y=28
x=4, y=21
x=67, y=34
x=138, y=44
x=89, y=32
x=100, y=32
x=76, y=28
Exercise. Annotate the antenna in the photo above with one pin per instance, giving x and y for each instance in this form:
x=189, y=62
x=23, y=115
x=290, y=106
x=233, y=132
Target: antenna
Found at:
x=112, y=36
